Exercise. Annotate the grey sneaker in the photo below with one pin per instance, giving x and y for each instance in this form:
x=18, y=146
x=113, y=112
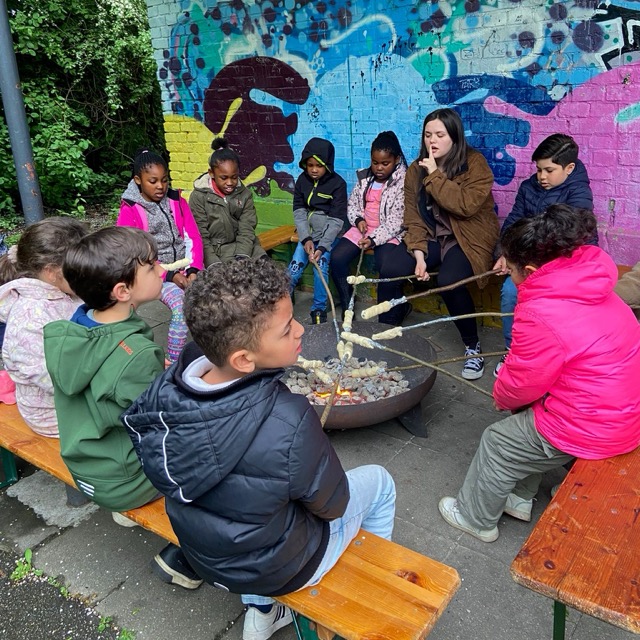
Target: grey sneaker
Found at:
x=496, y=371
x=474, y=364
x=449, y=511
x=260, y=626
x=518, y=507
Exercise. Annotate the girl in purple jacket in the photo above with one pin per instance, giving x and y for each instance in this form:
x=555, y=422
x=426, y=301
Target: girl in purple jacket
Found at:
x=571, y=377
x=150, y=205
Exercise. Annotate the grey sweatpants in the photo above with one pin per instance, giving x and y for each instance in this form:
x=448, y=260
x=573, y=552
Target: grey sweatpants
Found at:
x=511, y=458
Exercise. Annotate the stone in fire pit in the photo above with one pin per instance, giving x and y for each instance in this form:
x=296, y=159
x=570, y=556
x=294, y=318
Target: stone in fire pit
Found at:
x=354, y=388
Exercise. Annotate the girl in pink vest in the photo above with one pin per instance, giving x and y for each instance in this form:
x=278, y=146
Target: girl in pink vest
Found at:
x=149, y=204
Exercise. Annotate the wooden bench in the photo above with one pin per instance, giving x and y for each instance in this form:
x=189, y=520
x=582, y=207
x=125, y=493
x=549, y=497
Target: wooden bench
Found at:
x=378, y=589
x=584, y=550
x=273, y=238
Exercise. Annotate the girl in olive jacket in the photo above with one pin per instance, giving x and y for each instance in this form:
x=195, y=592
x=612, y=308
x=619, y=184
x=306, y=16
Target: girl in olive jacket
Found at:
x=224, y=210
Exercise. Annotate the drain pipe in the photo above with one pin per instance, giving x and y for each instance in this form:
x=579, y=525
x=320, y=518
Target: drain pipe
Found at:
x=14, y=112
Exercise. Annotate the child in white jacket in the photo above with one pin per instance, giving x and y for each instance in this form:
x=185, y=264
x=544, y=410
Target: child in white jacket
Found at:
x=376, y=213
x=35, y=293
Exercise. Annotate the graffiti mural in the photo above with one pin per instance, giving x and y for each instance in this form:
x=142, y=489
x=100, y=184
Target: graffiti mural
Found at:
x=270, y=74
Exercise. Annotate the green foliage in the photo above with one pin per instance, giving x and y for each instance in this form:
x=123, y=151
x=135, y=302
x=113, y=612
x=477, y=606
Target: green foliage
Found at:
x=125, y=634
x=24, y=567
x=104, y=623
x=91, y=96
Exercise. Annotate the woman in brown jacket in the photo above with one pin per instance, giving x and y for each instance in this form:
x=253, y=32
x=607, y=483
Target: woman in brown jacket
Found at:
x=451, y=222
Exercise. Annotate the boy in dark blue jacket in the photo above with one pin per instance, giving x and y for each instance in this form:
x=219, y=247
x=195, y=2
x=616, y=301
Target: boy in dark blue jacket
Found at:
x=560, y=178
x=254, y=490
x=320, y=214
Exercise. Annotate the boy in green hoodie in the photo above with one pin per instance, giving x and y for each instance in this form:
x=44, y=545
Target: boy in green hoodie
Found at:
x=100, y=362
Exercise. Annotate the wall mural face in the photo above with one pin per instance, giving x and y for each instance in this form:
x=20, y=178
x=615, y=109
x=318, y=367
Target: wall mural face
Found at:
x=271, y=74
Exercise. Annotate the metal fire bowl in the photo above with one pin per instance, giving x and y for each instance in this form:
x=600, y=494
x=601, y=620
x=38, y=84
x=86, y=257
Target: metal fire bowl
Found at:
x=319, y=342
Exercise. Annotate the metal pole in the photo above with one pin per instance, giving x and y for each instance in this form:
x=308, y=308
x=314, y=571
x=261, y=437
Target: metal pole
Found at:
x=17, y=122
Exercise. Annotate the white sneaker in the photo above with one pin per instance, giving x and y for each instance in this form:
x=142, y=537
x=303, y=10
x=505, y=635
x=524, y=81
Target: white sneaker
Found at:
x=260, y=626
x=123, y=521
x=518, y=507
x=449, y=511
x=474, y=364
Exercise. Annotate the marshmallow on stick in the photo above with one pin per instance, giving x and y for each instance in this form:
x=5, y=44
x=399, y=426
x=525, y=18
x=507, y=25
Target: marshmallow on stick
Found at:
x=177, y=265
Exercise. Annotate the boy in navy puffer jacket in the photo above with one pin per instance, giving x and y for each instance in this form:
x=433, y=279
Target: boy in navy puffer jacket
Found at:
x=560, y=178
x=254, y=490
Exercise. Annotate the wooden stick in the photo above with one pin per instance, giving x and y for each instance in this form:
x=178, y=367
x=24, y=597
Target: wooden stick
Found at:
x=383, y=307
x=368, y=343
x=454, y=285
x=399, y=331
x=489, y=354
x=326, y=288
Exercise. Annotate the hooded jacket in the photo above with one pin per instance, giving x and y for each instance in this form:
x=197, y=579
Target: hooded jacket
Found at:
x=97, y=373
x=227, y=224
x=468, y=201
x=532, y=199
x=575, y=357
x=27, y=305
x=170, y=222
x=251, y=480
x=391, y=204
x=319, y=207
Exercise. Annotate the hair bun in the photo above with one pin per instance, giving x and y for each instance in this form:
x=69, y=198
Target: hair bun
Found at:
x=12, y=254
x=219, y=143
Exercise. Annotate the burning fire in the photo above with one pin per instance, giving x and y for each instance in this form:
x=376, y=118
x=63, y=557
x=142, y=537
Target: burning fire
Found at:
x=340, y=394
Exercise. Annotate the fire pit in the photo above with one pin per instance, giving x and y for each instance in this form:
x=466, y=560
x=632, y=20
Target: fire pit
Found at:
x=319, y=343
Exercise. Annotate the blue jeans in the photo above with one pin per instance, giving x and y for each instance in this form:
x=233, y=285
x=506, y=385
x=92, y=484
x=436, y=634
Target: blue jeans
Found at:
x=372, y=507
x=297, y=266
x=508, y=300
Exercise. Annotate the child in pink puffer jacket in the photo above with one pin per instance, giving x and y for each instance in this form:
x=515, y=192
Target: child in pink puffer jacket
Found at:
x=571, y=377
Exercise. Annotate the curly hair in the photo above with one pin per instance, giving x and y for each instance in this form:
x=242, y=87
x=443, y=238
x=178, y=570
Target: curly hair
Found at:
x=227, y=305
x=555, y=233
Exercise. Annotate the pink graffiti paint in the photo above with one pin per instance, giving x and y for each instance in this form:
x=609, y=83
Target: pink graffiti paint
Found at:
x=600, y=116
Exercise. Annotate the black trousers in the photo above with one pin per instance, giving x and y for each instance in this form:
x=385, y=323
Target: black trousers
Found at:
x=391, y=260
x=454, y=267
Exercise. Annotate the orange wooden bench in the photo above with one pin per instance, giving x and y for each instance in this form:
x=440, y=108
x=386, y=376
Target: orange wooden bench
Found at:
x=378, y=589
x=583, y=552
x=273, y=238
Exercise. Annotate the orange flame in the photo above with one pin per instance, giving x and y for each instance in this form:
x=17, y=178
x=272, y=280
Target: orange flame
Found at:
x=340, y=393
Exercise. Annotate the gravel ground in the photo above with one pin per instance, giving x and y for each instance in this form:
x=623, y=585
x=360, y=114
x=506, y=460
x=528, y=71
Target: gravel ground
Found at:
x=32, y=608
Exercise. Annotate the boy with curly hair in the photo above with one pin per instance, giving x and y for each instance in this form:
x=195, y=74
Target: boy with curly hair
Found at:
x=254, y=490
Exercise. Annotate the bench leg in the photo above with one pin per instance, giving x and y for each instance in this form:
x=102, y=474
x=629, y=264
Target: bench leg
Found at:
x=9, y=471
x=306, y=629
x=559, y=617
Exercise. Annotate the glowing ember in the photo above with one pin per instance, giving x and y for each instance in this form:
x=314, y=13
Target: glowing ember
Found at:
x=379, y=383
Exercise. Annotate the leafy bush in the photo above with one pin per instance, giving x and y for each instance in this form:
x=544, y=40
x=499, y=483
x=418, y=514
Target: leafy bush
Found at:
x=91, y=97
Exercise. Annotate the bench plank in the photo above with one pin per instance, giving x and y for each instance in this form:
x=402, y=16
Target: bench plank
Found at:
x=44, y=453
x=273, y=238
x=583, y=552
x=378, y=589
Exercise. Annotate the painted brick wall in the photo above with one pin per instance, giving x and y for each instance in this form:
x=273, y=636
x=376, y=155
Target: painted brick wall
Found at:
x=271, y=74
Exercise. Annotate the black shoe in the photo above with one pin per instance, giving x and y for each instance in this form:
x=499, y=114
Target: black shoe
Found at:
x=408, y=308
x=172, y=567
x=318, y=317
